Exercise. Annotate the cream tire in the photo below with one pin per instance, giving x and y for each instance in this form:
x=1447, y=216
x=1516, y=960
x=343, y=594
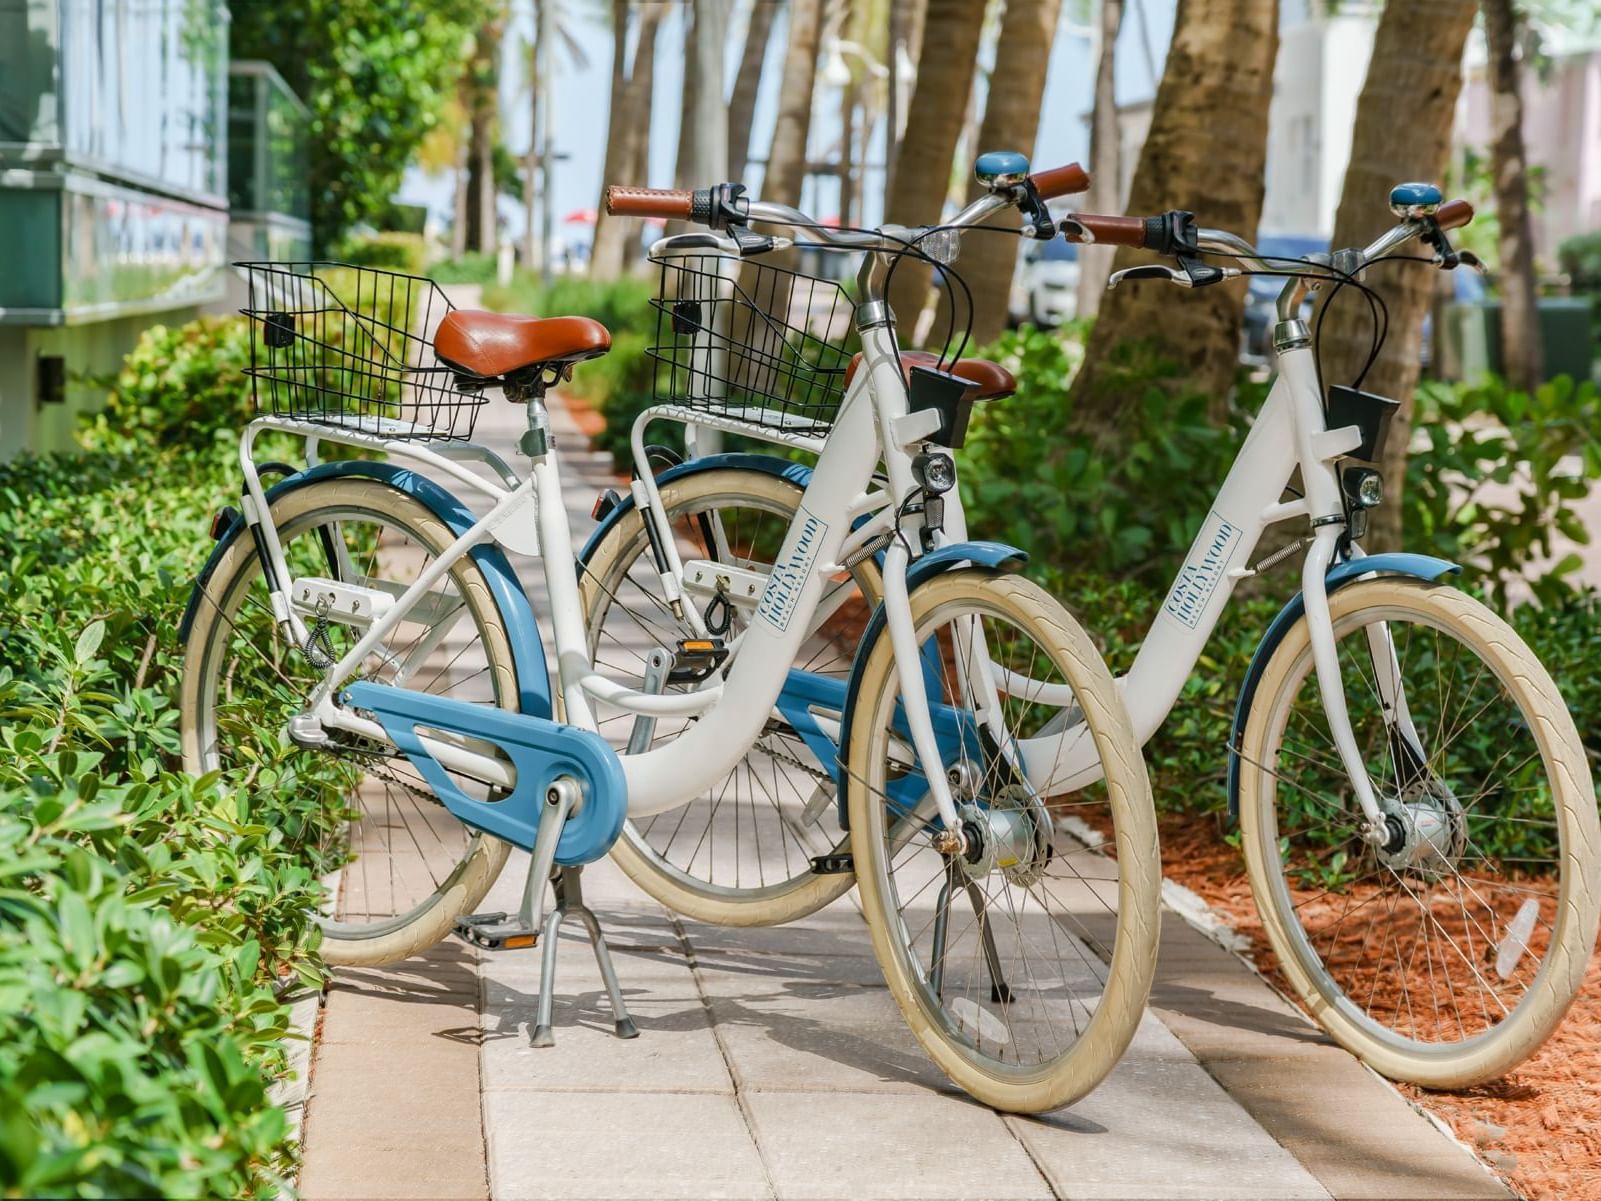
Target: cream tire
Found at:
x=478, y=868
x=675, y=889
x=1133, y=964
x=1495, y=1051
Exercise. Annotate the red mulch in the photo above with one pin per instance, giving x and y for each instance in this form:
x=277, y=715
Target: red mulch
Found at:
x=1539, y=1128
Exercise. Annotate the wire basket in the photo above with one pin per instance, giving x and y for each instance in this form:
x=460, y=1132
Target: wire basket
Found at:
x=351, y=347
x=748, y=340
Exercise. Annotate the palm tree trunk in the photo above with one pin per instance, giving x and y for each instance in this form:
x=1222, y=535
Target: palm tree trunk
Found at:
x=483, y=81
x=1106, y=159
x=946, y=63
x=786, y=160
x=1402, y=131
x=747, y=83
x=641, y=87
x=1204, y=152
x=1522, y=355
x=1011, y=121
x=684, y=163
x=606, y=252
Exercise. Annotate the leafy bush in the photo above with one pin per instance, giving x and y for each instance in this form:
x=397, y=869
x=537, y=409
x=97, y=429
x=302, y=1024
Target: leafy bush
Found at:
x=471, y=268
x=178, y=386
x=402, y=252
x=1580, y=257
x=1499, y=472
x=1024, y=480
x=148, y=921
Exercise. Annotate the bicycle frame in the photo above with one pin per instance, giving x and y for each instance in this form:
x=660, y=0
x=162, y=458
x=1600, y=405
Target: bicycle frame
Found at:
x=874, y=422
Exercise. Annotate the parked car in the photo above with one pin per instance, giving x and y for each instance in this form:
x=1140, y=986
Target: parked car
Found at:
x=1045, y=285
x=1261, y=301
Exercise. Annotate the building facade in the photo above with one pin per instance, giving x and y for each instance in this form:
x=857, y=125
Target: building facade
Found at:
x=113, y=193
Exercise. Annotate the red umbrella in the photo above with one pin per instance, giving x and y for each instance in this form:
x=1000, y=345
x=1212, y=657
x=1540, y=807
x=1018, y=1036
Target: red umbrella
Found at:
x=580, y=217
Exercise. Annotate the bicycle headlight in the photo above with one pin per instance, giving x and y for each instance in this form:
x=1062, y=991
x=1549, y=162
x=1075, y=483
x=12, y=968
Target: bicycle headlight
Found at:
x=935, y=471
x=1364, y=487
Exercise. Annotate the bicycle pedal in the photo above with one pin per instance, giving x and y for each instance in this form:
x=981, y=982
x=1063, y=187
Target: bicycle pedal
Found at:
x=695, y=659
x=840, y=864
x=495, y=932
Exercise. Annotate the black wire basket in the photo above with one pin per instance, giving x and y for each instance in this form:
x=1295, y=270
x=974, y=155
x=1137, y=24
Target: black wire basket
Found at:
x=351, y=347
x=752, y=341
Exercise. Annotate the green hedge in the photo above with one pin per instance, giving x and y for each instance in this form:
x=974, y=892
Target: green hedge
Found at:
x=148, y=921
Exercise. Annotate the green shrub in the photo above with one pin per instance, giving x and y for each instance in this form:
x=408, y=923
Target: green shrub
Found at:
x=1580, y=257
x=471, y=268
x=1498, y=473
x=1025, y=481
x=148, y=921
x=178, y=387
x=402, y=252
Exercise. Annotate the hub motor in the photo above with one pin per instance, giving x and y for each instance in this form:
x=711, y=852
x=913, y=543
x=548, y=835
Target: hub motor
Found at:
x=1012, y=834
x=1427, y=831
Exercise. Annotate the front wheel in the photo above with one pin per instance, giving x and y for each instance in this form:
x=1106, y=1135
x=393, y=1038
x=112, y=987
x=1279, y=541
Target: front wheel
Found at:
x=1023, y=964
x=1447, y=954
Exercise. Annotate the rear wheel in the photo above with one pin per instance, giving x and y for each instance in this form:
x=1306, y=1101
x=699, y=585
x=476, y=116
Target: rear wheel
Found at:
x=741, y=855
x=409, y=868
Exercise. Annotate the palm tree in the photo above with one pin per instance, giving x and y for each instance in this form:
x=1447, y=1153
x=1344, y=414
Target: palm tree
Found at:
x=1011, y=121
x=747, y=83
x=628, y=133
x=786, y=160
x=1205, y=152
x=480, y=86
x=1522, y=356
x=945, y=66
x=1402, y=131
x=1106, y=157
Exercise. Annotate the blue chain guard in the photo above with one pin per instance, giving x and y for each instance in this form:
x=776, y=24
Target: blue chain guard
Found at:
x=541, y=750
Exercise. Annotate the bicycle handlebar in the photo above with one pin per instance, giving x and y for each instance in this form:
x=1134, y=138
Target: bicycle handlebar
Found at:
x=1061, y=181
x=671, y=204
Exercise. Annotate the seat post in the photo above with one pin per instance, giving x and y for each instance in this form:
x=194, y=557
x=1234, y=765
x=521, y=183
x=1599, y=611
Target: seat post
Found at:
x=536, y=440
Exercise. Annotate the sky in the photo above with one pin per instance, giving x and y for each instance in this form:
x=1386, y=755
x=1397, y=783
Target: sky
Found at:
x=583, y=95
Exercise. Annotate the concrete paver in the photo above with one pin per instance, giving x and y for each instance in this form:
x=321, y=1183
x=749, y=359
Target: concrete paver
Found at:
x=773, y=1063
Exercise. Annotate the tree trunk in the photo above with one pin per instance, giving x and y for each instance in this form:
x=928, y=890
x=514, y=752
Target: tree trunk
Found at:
x=1204, y=152
x=785, y=174
x=627, y=146
x=1106, y=159
x=483, y=101
x=1522, y=356
x=709, y=165
x=1402, y=131
x=1011, y=122
x=949, y=55
x=641, y=87
x=747, y=83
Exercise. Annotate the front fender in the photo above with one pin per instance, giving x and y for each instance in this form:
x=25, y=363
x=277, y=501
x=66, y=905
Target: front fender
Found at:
x=1420, y=567
x=522, y=628
x=992, y=556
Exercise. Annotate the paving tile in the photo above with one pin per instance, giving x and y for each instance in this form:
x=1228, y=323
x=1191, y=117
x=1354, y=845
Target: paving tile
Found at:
x=620, y=1147
x=1161, y=1127
x=837, y=1145
x=788, y=1035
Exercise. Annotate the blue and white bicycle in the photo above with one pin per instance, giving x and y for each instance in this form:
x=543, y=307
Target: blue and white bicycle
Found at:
x=1016, y=924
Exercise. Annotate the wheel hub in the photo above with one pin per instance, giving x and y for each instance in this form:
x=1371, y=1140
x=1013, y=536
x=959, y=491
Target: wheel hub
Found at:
x=1427, y=831
x=1012, y=834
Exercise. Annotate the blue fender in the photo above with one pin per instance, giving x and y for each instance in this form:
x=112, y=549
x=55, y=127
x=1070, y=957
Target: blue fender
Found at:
x=992, y=556
x=797, y=473
x=522, y=629
x=1420, y=567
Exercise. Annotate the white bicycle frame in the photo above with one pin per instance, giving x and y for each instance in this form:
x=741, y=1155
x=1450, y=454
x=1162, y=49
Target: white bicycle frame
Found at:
x=874, y=423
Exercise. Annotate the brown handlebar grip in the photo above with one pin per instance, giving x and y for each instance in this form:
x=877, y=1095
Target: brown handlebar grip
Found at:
x=671, y=204
x=1107, y=230
x=1453, y=214
x=1061, y=181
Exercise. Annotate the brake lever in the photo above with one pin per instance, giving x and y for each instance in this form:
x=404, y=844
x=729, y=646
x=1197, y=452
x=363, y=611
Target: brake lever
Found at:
x=1190, y=273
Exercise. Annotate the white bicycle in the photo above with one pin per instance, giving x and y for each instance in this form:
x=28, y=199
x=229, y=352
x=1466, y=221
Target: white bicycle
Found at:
x=1418, y=816
x=381, y=617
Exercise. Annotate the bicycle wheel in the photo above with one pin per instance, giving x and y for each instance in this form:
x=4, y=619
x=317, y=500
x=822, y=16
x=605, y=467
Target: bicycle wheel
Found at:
x=1448, y=955
x=409, y=867
x=741, y=854
x=1022, y=965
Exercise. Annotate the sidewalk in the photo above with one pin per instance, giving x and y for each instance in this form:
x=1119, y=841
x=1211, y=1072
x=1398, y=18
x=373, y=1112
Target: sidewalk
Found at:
x=774, y=1064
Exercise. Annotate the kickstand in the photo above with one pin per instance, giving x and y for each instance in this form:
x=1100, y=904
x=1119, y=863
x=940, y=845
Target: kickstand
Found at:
x=502, y=932
x=1000, y=991
x=566, y=883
